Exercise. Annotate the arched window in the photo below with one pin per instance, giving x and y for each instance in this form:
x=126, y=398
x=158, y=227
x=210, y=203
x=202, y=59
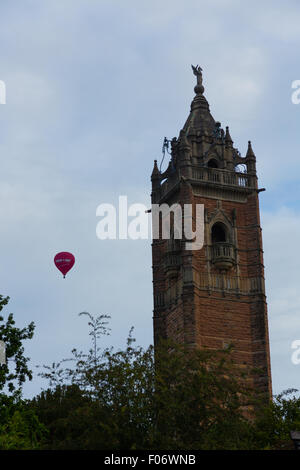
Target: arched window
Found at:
x=212, y=163
x=218, y=233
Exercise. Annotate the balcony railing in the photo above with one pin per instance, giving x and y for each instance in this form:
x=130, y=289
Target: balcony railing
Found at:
x=216, y=175
x=210, y=175
x=223, y=255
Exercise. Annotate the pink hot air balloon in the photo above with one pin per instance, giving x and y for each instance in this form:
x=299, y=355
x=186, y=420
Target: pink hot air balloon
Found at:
x=64, y=261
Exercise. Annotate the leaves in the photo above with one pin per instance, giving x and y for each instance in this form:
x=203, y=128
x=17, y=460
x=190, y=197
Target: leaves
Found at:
x=170, y=398
x=21, y=431
x=15, y=372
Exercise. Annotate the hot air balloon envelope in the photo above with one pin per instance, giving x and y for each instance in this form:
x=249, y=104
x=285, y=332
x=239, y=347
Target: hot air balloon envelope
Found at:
x=64, y=261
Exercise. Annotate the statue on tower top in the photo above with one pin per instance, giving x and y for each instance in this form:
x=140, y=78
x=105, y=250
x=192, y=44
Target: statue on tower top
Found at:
x=197, y=71
x=199, y=88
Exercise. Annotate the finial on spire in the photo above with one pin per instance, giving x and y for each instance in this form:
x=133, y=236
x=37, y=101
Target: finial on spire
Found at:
x=155, y=172
x=228, y=138
x=250, y=152
x=199, y=88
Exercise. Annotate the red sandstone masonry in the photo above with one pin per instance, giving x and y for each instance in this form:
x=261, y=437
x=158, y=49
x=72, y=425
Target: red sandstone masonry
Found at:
x=198, y=302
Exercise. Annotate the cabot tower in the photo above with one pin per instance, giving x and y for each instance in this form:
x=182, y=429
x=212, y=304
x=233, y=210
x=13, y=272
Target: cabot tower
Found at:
x=214, y=296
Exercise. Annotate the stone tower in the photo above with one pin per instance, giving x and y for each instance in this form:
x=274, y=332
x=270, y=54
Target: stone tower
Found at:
x=213, y=296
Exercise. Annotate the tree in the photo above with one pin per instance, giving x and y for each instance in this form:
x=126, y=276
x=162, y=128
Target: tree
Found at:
x=170, y=398
x=21, y=430
x=66, y=414
x=275, y=421
x=15, y=372
x=200, y=400
x=19, y=426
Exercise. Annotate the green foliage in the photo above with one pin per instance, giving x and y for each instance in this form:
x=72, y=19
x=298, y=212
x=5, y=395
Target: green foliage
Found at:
x=109, y=395
x=200, y=400
x=19, y=426
x=21, y=431
x=68, y=416
x=172, y=398
x=15, y=372
x=275, y=421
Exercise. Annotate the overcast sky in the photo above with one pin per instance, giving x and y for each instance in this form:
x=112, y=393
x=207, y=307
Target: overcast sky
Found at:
x=93, y=86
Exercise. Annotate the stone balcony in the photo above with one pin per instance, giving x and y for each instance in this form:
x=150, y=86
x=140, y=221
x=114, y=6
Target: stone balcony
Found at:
x=223, y=255
x=219, y=176
x=211, y=177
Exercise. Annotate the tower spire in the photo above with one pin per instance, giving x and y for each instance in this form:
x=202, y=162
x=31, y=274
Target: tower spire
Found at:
x=228, y=139
x=155, y=173
x=250, y=152
x=200, y=121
